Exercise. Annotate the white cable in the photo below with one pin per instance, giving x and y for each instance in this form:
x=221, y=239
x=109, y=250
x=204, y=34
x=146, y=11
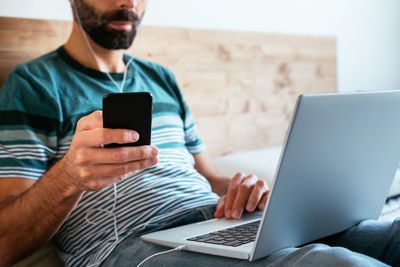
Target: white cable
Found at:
x=160, y=253
x=112, y=213
x=120, y=88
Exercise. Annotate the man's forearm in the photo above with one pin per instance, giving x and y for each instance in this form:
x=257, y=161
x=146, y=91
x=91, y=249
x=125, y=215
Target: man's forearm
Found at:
x=219, y=184
x=205, y=166
x=29, y=220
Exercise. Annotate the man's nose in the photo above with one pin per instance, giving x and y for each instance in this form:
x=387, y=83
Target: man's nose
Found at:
x=127, y=4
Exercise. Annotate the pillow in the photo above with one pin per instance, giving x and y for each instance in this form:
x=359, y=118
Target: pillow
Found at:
x=263, y=162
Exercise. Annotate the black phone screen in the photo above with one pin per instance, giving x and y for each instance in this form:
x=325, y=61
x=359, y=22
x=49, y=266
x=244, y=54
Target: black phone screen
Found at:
x=129, y=111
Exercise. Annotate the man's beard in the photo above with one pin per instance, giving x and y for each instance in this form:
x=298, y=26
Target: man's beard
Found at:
x=95, y=26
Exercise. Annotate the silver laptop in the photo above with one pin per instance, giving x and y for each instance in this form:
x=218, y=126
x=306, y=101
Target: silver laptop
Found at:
x=335, y=170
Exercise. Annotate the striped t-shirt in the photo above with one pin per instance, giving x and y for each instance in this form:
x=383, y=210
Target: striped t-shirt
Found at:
x=40, y=104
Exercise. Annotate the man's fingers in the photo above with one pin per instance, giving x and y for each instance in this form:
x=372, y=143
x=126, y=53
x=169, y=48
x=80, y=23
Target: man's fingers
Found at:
x=219, y=212
x=255, y=197
x=100, y=184
x=91, y=121
x=115, y=155
x=232, y=191
x=104, y=136
x=122, y=169
x=109, y=170
x=243, y=193
x=263, y=201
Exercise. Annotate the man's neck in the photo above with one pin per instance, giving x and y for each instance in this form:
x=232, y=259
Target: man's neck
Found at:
x=109, y=60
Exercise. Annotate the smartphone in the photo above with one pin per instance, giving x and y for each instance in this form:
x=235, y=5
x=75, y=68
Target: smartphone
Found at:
x=129, y=111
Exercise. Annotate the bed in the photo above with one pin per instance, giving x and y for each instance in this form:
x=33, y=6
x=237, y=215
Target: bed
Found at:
x=240, y=86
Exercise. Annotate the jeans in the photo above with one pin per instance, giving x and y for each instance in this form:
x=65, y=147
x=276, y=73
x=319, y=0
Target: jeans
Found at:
x=370, y=243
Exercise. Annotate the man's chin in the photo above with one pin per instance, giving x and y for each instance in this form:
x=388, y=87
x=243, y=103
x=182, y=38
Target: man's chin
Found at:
x=113, y=39
x=116, y=45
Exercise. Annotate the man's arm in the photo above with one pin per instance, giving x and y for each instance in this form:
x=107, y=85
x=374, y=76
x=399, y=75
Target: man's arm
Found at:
x=14, y=186
x=205, y=166
x=241, y=192
x=31, y=214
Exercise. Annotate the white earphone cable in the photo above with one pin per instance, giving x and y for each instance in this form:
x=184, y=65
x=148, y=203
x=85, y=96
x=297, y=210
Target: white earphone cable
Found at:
x=160, y=253
x=120, y=88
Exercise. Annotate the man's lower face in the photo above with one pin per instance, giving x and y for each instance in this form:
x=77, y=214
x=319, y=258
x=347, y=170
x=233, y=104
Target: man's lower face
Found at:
x=114, y=29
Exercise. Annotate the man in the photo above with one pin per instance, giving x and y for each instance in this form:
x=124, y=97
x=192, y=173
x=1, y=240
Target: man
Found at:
x=58, y=181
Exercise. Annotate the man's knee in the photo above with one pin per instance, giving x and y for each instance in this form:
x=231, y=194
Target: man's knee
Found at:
x=320, y=255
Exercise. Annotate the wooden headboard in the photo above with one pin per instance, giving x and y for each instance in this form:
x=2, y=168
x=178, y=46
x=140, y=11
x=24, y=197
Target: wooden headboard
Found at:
x=240, y=86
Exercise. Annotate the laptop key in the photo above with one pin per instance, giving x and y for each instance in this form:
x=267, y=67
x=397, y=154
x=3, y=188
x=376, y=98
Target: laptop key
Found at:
x=206, y=236
x=216, y=242
x=204, y=239
x=233, y=236
x=235, y=243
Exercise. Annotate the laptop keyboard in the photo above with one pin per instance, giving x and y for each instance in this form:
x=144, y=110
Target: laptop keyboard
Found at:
x=233, y=236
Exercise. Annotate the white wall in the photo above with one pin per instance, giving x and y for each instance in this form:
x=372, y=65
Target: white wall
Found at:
x=367, y=31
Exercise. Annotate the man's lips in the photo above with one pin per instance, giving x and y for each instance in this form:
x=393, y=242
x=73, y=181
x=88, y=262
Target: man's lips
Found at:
x=121, y=25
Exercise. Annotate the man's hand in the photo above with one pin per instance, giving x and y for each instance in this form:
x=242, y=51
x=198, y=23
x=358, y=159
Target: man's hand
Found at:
x=245, y=192
x=91, y=167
